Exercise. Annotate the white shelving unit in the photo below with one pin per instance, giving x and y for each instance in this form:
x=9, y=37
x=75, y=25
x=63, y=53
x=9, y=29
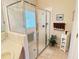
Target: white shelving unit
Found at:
x=64, y=42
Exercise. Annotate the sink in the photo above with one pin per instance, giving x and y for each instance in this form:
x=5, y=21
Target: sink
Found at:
x=6, y=55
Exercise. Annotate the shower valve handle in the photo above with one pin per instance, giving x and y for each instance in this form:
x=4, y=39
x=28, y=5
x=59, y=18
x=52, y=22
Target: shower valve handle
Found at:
x=43, y=25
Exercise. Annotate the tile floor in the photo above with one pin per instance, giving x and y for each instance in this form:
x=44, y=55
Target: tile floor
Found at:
x=53, y=53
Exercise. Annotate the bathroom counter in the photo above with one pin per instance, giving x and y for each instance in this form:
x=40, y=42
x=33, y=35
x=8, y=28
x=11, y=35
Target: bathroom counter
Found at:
x=13, y=45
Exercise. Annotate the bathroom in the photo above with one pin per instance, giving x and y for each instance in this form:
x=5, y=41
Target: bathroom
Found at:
x=27, y=26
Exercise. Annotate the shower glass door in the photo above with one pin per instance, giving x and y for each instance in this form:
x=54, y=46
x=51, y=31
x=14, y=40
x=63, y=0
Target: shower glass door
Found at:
x=41, y=16
x=15, y=18
x=30, y=25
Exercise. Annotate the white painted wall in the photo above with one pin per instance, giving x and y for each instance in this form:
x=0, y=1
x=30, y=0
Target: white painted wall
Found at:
x=73, y=50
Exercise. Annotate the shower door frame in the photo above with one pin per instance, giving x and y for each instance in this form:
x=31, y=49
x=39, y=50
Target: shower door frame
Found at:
x=49, y=26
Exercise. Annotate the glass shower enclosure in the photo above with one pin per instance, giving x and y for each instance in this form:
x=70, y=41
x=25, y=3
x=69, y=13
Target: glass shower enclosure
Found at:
x=34, y=22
